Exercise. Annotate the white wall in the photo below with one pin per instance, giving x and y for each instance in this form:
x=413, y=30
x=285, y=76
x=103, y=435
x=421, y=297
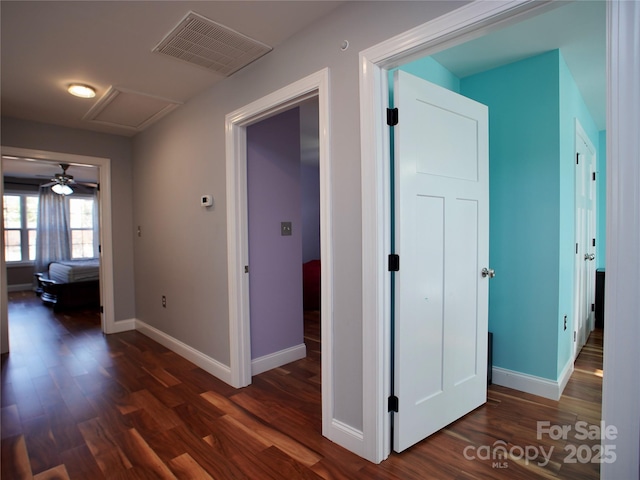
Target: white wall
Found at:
x=182, y=250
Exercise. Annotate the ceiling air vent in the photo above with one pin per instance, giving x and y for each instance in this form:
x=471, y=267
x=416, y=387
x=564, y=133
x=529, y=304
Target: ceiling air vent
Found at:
x=205, y=43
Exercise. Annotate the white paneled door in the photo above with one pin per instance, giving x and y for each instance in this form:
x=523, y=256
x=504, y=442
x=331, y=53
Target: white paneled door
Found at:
x=585, y=235
x=442, y=239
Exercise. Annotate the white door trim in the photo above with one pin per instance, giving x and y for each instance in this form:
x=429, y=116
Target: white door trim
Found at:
x=470, y=21
x=315, y=85
x=106, y=241
x=4, y=312
x=620, y=392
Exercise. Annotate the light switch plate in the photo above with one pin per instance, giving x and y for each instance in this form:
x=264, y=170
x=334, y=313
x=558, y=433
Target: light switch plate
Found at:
x=285, y=229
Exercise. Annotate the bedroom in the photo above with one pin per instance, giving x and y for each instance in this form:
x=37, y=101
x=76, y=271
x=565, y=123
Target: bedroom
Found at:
x=52, y=239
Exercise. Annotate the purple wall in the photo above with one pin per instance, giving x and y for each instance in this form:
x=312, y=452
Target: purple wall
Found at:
x=275, y=261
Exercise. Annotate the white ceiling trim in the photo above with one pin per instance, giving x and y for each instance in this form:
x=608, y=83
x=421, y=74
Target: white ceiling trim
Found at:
x=128, y=109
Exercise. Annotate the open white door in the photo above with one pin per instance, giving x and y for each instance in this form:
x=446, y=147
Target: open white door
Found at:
x=442, y=238
x=585, y=236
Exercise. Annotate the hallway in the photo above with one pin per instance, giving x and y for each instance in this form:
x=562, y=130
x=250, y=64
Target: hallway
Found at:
x=78, y=404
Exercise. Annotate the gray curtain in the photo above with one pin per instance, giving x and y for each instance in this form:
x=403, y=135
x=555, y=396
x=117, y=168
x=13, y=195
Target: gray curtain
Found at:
x=53, y=242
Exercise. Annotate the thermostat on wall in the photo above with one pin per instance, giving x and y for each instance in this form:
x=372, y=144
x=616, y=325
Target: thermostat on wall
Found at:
x=206, y=200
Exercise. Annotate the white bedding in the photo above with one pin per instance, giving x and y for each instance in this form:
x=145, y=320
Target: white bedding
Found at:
x=75, y=270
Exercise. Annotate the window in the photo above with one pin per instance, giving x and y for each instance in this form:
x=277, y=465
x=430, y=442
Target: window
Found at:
x=20, y=222
x=81, y=224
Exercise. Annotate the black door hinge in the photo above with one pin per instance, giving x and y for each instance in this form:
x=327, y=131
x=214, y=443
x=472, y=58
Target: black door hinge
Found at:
x=392, y=404
x=593, y=307
x=394, y=263
x=392, y=116
x=593, y=242
x=577, y=159
x=101, y=309
x=593, y=176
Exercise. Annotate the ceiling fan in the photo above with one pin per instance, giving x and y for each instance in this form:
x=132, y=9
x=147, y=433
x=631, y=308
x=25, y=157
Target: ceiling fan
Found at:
x=61, y=182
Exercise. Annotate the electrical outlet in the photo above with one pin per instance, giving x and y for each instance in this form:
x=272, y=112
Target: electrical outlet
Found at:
x=164, y=301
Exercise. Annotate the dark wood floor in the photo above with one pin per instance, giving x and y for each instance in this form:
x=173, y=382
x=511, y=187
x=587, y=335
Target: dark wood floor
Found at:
x=81, y=405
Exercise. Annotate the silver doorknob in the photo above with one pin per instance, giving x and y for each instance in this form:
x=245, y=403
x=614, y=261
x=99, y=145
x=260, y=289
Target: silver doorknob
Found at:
x=589, y=256
x=488, y=272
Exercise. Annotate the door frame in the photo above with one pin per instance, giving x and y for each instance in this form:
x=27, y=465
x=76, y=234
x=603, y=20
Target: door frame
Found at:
x=236, y=123
x=108, y=323
x=466, y=23
x=461, y=25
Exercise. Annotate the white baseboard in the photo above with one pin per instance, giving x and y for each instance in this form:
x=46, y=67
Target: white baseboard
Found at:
x=346, y=436
x=524, y=382
x=277, y=359
x=208, y=364
x=123, y=326
x=565, y=375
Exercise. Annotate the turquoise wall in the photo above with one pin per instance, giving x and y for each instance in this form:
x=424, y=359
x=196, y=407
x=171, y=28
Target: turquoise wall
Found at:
x=532, y=105
x=524, y=141
x=432, y=71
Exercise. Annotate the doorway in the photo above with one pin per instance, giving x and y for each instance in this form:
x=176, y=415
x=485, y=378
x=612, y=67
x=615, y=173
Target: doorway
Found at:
x=313, y=86
x=283, y=227
x=585, y=239
x=106, y=249
x=459, y=26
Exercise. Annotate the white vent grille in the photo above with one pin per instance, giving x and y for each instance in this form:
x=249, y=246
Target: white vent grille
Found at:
x=205, y=43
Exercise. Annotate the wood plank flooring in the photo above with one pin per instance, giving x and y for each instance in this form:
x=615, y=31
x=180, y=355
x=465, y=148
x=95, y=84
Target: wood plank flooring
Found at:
x=78, y=404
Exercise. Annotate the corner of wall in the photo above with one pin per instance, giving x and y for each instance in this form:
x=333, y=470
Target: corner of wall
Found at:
x=431, y=70
x=543, y=387
x=208, y=364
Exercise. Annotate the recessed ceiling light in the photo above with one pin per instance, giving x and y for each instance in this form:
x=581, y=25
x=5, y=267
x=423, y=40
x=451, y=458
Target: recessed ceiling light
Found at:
x=82, y=91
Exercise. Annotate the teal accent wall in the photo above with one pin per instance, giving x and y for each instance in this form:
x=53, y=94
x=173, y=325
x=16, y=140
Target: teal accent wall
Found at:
x=524, y=142
x=432, y=71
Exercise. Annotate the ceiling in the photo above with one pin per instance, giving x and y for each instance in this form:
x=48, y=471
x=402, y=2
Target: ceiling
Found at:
x=577, y=28
x=45, y=45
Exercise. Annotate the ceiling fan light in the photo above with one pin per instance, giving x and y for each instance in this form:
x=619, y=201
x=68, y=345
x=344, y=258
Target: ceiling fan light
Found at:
x=82, y=91
x=62, y=189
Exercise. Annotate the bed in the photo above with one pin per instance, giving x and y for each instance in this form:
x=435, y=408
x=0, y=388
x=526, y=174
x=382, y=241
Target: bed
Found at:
x=311, y=285
x=70, y=284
